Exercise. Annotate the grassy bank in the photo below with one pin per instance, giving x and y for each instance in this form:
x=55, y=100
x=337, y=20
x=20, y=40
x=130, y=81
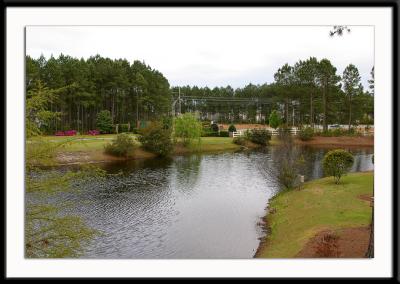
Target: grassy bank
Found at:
x=90, y=149
x=297, y=216
x=339, y=141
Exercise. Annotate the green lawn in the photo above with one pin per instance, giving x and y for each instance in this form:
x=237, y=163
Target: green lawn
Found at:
x=320, y=205
x=88, y=143
x=215, y=144
x=83, y=143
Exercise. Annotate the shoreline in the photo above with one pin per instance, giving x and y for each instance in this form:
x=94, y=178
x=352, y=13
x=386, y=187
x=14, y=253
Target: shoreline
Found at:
x=352, y=234
x=95, y=154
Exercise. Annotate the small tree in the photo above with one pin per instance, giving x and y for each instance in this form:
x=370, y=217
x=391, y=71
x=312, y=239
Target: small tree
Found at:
x=337, y=162
x=156, y=138
x=214, y=127
x=274, y=119
x=104, y=121
x=306, y=134
x=122, y=145
x=188, y=128
x=259, y=136
x=232, y=128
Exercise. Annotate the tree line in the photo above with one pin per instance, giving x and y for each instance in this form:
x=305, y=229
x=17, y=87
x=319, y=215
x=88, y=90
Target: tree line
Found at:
x=308, y=92
x=130, y=92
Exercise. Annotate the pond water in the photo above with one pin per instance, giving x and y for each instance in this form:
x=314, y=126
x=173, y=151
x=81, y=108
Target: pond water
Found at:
x=197, y=206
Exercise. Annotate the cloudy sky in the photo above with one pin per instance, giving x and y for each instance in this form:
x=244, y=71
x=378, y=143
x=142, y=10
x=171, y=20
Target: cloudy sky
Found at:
x=209, y=55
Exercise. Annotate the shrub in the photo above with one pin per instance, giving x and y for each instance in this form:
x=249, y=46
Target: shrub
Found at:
x=156, y=139
x=68, y=133
x=104, y=121
x=284, y=134
x=188, y=128
x=167, y=122
x=287, y=174
x=239, y=141
x=339, y=132
x=259, y=136
x=224, y=134
x=327, y=246
x=274, y=119
x=123, y=127
x=93, y=132
x=306, y=134
x=336, y=163
x=214, y=127
x=232, y=128
x=122, y=145
x=209, y=133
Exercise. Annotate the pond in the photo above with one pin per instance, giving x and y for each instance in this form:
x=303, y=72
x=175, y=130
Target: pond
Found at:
x=197, y=206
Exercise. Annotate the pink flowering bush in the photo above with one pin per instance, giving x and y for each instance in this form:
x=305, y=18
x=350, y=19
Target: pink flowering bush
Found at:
x=93, y=132
x=66, y=133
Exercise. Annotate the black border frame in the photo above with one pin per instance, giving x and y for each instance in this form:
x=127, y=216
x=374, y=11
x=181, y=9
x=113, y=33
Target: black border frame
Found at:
x=394, y=4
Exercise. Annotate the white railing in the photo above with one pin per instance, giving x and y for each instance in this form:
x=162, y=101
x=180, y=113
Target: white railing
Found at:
x=241, y=132
x=295, y=131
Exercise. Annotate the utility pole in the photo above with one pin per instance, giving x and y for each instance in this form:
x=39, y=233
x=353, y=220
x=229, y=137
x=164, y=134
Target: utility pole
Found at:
x=179, y=100
x=137, y=108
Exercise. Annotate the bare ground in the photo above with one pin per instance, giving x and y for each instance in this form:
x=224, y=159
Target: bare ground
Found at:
x=359, y=141
x=345, y=243
x=82, y=157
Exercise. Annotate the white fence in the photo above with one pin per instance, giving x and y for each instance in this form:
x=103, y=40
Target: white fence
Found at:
x=241, y=132
x=365, y=131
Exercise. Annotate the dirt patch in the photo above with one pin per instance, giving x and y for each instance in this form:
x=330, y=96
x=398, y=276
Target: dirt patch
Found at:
x=242, y=126
x=359, y=141
x=365, y=197
x=81, y=157
x=344, y=243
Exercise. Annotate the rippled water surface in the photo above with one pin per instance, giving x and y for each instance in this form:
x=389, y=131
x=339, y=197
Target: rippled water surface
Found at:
x=206, y=206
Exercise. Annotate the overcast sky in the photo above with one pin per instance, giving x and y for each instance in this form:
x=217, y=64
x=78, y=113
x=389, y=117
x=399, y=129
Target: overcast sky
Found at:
x=209, y=56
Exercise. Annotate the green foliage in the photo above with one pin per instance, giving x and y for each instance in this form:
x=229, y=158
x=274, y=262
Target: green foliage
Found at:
x=336, y=163
x=138, y=92
x=223, y=134
x=232, y=128
x=104, y=122
x=156, y=139
x=306, y=134
x=352, y=86
x=49, y=232
x=167, y=122
x=209, y=133
x=124, y=127
x=339, y=132
x=188, y=128
x=287, y=175
x=37, y=115
x=214, y=127
x=122, y=145
x=131, y=90
x=259, y=136
x=274, y=119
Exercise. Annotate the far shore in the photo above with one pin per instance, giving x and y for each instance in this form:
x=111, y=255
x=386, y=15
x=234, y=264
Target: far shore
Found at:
x=85, y=150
